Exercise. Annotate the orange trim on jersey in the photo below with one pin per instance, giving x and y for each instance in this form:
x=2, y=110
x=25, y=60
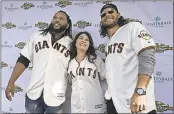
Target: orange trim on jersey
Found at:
x=149, y=47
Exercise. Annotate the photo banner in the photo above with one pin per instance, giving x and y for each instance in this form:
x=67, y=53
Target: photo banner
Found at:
x=20, y=19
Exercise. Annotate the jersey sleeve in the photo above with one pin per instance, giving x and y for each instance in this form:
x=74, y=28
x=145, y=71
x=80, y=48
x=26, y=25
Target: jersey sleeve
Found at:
x=28, y=49
x=140, y=38
x=101, y=67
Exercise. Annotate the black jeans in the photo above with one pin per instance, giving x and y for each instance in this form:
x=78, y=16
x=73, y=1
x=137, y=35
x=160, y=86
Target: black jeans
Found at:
x=111, y=108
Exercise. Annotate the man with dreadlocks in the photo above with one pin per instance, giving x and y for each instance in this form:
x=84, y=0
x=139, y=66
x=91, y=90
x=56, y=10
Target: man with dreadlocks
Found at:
x=48, y=51
x=129, y=62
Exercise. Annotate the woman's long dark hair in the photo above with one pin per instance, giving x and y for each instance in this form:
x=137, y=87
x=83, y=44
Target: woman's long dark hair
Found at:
x=68, y=31
x=103, y=31
x=89, y=52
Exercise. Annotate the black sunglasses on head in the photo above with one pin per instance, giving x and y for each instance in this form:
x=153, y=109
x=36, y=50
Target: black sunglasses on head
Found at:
x=103, y=14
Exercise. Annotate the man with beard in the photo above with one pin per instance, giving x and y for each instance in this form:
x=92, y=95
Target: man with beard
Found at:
x=48, y=51
x=130, y=64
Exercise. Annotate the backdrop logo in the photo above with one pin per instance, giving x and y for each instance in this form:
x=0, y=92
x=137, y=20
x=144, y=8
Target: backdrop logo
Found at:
x=133, y=20
x=11, y=8
x=9, y=111
x=27, y=5
x=82, y=4
x=160, y=48
x=158, y=22
x=42, y=25
x=3, y=64
x=5, y=45
x=162, y=107
x=129, y=2
x=97, y=25
x=101, y=48
x=63, y=4
x=9, y=25
x=30, y=68
x=82, y=24
x=104, y=2
x=17, y=89
x=158, y=78
x=44, y=6
x=20, y=45
x=25, y=26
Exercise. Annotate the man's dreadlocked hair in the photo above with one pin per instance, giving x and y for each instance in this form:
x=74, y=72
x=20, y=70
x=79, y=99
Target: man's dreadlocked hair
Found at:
x=68, y=31
x=121, y=21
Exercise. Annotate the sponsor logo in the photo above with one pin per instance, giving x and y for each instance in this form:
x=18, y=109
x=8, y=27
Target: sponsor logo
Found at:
x=63, y=4
x=158, y=78
x=158, y=22
x=44, y=6
x=17, y=89
x=97, y=25
x=5, y=45
x=162, y=107
x=20, y=45
x=27, y=5
x=41, y=25
x=9, y=111
x=104, y=2
x=98, y=106
x=133, y=20
x=129, y=2
x=9, y=25
x=3, y=64
x=82, y=24
x=30, y=68
x=25, y=26
x=161, y=48
x=82, y=4
x=11, y=8
x=101, y=48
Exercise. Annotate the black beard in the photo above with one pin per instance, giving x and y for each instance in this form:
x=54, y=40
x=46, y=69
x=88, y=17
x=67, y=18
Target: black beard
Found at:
x=111, y=25
x=61, y=29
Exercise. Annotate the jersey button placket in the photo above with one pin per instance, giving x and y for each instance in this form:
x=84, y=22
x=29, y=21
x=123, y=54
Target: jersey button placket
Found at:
x=81, y=92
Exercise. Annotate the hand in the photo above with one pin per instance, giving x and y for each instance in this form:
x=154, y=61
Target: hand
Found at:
x=138, y=103
x=9, y=92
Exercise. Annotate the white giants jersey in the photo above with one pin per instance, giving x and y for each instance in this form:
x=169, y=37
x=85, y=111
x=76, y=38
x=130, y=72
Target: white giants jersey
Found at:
x=87, y=94
x=49, y=68
x=122, y=65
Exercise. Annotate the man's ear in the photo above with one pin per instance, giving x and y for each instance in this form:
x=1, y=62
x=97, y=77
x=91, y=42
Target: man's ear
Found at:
x=119, y=15
x=67, y=26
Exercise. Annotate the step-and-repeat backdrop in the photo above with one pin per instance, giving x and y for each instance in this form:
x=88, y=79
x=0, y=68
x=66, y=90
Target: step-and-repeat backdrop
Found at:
x=20, y=19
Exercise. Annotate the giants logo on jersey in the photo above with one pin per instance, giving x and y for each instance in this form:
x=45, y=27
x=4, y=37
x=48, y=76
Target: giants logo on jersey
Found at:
x=82, y=71
x=116, y=47
x=57, y=46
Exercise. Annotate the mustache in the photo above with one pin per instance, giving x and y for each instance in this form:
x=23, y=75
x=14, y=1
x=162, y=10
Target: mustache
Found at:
x=55, y=22
x=108, y=18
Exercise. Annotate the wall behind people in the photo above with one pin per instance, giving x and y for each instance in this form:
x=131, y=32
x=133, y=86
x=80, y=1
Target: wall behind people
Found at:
x=20, y=19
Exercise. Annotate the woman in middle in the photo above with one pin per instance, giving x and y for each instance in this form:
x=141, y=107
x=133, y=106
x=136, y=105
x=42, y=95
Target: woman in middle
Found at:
x=86, y=72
